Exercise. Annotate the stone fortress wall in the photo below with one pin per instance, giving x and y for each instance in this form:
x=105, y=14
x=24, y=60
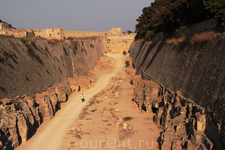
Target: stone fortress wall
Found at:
x=117, y=40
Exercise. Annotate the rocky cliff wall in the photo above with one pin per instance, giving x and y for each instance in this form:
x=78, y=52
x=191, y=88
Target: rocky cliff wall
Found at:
x=195, y=69
x=185, y=124
x=31, y=66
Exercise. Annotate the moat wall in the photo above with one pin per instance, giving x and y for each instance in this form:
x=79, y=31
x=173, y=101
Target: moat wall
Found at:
x=196, y=69
x=32, y=67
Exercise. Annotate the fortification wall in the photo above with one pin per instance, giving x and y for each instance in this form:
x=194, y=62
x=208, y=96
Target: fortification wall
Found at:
x=115, y=31
x=4, y=25
x=120, y=43
x=68, y=33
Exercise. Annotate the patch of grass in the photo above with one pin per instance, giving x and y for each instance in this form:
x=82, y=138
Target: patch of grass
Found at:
x=109, y=124
x=127, y=64
x=93, y=110
x=82, y=43
x=127, y=118
x=105, y=120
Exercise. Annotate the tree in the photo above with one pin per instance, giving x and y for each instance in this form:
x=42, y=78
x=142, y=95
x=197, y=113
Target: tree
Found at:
x=128, y=31
x=217, y=7
x=167, y=15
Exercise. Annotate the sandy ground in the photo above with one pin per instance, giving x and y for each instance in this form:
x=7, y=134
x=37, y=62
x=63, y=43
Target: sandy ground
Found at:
x=94, y=124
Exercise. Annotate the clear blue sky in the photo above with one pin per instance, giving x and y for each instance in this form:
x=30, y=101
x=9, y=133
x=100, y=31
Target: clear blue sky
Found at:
x=79, y=15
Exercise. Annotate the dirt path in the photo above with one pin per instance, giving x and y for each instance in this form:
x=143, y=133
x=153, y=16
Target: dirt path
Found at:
x=49, y=135
x=104, y=123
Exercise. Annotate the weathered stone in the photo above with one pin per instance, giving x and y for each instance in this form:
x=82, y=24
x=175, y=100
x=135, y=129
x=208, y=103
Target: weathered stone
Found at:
x=190, y=145
x=45, y=107
x=183, y=111
x=22, y=127
x=62, y=97
x=117, y=95
x=201, y=122
x=6, y=101
x=166, y=140
x=125, y=126
x=10, y=122
x=176, y=144
x=54, y=101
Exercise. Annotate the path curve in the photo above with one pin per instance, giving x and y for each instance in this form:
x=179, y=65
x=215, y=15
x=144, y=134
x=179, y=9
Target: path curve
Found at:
x=49, y=135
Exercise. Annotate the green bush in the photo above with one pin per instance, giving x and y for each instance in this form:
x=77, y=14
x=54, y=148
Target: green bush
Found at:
x=127, y=118
x=70, y=38
x=92, y=46
x=24, y=40
x=127, y=63
x=184, y=31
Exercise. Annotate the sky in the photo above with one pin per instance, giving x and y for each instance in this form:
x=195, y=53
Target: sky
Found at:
x=78, y=15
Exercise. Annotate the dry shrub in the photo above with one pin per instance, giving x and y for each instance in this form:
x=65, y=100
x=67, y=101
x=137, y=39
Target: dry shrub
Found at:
x=55, y=41
x=175, y=40
x=203, y=36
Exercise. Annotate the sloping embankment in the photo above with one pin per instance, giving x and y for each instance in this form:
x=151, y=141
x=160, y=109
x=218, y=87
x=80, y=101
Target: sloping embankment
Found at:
x=34, y=81
x=195, y=69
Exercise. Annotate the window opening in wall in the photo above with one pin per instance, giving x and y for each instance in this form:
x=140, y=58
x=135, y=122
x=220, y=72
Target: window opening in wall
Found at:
x=58, y=33
x=50, y=34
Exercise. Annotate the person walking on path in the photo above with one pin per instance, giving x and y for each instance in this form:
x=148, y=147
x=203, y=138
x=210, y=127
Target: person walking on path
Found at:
x=82, y=97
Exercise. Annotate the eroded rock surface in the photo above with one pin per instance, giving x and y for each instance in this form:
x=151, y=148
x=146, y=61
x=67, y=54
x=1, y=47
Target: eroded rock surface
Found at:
x=22, y=115
x=186, y=125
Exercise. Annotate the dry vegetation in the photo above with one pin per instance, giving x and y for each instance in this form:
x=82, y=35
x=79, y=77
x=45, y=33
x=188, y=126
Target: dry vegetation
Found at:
x=55, y=41
x=204, y=36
